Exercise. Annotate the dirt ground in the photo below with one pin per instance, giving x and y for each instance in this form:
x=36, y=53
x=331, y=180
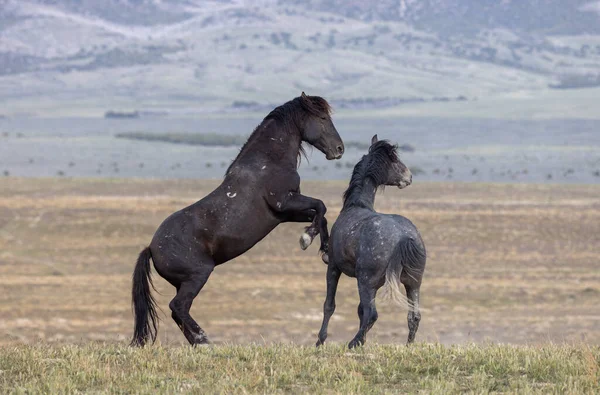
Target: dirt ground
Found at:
x=508, y=263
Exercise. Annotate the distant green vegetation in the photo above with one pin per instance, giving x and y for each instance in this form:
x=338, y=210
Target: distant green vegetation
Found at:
x=365, y=146
x=206, y=139
x=577, y=81
x=222, y=140
x=357, y=144
x=121, y=114
x=428, y=368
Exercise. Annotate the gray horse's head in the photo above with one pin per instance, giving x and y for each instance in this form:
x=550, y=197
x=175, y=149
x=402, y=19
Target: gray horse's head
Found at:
x=391, y=170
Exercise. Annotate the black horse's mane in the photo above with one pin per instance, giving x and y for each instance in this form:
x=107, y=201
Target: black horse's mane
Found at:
x=372, y=166
x=290, y=111
x=289, y=115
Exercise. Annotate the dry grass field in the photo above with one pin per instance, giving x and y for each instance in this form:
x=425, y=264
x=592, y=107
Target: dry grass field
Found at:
x=507, y=263
x=235, y=369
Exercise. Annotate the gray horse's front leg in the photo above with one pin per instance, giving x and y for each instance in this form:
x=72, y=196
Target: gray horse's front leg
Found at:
x=333, y=277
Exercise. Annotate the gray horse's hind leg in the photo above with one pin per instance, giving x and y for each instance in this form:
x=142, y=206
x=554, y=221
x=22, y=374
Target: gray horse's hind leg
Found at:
x=367, y=290
x=414, y=315
x=182, y=302
x=333, y=277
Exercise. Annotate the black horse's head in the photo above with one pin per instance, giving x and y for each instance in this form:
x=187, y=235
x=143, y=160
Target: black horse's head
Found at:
x=387, y=165
x=318, y=129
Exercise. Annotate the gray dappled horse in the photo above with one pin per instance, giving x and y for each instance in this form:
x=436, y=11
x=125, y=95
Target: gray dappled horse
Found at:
x=375, y=248
x=261, y=189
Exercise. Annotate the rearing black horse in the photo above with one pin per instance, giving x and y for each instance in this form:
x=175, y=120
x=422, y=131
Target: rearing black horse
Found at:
x=261, y=189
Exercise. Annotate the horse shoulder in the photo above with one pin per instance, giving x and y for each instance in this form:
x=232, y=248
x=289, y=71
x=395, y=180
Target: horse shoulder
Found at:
x=281, y=184
x=346, y=237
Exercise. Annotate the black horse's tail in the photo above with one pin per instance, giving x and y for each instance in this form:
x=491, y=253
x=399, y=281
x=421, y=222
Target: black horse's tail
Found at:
x=409, y=257
x=144, y=305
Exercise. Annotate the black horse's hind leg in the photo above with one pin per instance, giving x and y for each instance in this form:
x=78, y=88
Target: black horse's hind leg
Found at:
x=182, y=302
x=178, y=321
x=333, y=277
x=188, y=334
x=414, y=315
x=367, y=291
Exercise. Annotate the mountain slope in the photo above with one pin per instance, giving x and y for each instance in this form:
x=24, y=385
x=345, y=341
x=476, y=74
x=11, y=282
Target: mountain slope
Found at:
x=450, y=17
x=246, y=54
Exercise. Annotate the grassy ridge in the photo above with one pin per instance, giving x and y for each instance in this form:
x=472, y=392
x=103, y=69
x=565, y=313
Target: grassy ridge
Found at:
x=260, y=369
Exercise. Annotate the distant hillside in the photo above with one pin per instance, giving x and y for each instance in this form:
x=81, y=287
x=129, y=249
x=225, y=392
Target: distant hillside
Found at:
x=450, y=17
x=214, y=55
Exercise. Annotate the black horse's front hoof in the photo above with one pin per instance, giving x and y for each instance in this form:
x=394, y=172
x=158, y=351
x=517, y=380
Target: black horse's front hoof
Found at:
x=305, y=241
x=325, y=258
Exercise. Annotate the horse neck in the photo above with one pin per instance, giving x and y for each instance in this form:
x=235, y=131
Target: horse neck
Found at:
x=280, y=142
x=362, y=195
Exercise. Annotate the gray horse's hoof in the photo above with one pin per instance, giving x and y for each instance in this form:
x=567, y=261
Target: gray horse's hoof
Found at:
x=325, y=258
x=355, y=343
x=305, y=241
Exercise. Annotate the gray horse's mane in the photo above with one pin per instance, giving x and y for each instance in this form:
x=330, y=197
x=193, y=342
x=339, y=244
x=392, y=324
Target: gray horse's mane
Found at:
x=372, y=166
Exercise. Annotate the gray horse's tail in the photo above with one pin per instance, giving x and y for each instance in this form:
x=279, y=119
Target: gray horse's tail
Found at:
x=409, y=257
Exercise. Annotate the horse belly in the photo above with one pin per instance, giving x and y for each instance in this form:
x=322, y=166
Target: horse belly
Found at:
x=348, y=268
x=342, y=254
x=229, y=245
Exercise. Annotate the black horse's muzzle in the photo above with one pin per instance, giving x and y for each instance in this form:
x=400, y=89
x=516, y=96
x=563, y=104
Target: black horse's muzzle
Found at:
x=336, y=153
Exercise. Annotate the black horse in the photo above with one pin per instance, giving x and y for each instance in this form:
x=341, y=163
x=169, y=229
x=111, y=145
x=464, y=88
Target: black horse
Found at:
x=261, y=189
x=375, y=248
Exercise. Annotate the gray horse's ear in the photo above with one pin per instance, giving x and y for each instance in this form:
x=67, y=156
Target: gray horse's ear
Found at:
x=303, y=95
x=374, y=139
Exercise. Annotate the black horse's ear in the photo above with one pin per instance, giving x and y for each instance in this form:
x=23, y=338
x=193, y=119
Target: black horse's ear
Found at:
x=374, y=139
x=303, y=95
